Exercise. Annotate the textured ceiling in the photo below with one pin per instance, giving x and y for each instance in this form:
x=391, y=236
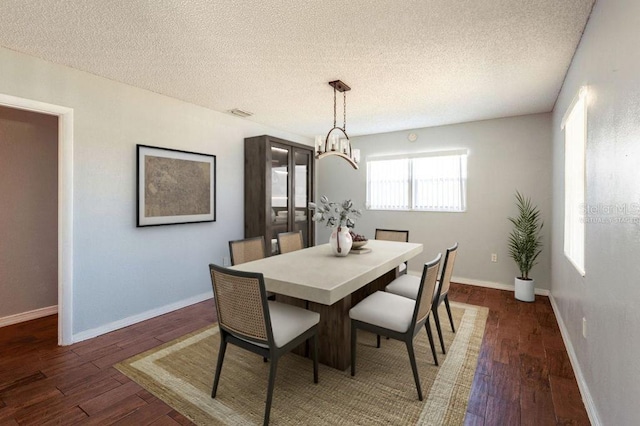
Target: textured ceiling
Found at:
x=410, y=64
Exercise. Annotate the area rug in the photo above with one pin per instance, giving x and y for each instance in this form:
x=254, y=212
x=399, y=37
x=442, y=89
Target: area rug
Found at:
x=382, y=391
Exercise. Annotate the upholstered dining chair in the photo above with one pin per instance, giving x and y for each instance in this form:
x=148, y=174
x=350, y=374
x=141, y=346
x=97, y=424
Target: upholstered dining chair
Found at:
x=248, y=320
x=290, y=241
x=394, y=235
x=407, y=286
x=398, y=317
x=247, y=250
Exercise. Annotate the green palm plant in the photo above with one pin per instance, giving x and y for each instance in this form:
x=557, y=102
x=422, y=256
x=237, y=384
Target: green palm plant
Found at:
x=525, y=241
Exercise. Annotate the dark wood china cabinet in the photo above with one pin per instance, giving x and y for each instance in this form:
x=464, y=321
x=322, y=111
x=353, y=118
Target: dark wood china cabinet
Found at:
x=278, y=185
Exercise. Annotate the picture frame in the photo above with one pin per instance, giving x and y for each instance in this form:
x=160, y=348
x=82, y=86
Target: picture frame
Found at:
x=174, y=187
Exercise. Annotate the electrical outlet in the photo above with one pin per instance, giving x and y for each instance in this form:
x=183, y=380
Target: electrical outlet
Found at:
x=584, y=327
x=494, y=257
x=226, y=261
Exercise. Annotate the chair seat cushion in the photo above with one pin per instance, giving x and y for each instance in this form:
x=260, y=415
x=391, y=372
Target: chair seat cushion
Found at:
x=288, y=322
x=405, y=285
x=385, y=310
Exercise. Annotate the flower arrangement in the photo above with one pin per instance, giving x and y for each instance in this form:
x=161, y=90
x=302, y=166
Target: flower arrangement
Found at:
x=335, y=214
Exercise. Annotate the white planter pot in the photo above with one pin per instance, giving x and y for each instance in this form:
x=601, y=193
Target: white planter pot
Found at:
x=340, y=241
x=525, y=290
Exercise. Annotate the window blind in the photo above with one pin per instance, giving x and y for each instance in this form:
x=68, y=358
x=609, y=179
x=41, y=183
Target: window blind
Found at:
x=428, y=181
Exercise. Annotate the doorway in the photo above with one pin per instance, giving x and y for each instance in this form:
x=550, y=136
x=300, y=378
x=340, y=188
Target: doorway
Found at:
x=65, y=206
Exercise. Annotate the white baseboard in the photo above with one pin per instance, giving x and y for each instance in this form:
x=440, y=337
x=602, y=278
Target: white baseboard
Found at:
x=488, y=284
x=28, y=316
x=134, y=319
x=491, y=284
x=592, y=412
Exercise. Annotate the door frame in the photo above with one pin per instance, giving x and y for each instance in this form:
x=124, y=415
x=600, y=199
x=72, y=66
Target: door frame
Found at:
x=65, y=206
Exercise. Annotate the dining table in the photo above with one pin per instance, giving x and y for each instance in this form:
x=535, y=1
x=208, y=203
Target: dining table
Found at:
x=314, y=278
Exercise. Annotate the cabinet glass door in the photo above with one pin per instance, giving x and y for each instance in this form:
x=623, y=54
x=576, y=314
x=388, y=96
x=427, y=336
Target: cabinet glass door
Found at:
x=280, y=160
x=302, y=160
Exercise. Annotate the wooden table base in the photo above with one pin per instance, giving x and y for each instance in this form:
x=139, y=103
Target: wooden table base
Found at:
x=335, y=328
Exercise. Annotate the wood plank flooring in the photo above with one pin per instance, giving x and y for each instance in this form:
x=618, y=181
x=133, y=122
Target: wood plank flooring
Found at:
x=523, y=378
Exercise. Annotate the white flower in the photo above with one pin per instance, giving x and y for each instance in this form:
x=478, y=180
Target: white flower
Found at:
x=335, y=214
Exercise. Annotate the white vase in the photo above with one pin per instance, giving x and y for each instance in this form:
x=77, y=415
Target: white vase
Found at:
x=340, y=241
x=525, y=289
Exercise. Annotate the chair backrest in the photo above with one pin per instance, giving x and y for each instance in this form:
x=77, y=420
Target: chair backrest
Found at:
x=447, y=270
x=290, y=241
x=247, y=250
x=427, y=290
x=392, y=235
x=241, y=304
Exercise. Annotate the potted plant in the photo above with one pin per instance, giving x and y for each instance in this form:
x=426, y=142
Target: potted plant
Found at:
x=525, y=245
x=341, y=216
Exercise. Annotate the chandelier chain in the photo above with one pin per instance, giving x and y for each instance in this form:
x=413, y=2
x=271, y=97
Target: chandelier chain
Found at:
x=334, y=107
x=344, y=112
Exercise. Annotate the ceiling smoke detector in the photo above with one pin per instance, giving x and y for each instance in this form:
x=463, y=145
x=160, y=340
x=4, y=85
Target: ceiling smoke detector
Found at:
x=240, y=113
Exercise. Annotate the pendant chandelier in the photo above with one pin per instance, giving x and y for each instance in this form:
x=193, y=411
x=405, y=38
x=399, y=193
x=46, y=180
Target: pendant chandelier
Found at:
x=333, y=144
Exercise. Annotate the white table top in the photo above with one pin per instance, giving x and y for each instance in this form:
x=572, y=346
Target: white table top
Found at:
x=315, y=274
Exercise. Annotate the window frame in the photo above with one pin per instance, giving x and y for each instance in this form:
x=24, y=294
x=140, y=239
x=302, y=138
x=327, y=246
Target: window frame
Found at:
x=574, y=205
x=411, y=182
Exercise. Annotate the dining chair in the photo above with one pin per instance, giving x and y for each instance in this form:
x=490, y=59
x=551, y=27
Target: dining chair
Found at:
x=290, y=241
x=394, y=235
x=267, y=328
x=407, y=286
x=247, y=250
x=398, y=317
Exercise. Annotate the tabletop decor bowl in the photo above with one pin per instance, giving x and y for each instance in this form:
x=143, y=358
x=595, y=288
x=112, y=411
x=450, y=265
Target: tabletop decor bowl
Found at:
x=358, y=240
x=356, y=245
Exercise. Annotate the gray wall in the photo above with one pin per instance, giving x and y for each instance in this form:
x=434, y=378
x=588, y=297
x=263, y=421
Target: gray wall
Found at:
x=28, y=211
x=504, y=155
x=119, y=270
x=607, y=60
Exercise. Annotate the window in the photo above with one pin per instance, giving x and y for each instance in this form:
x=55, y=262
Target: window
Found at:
x=427, y=182
x=575, y=132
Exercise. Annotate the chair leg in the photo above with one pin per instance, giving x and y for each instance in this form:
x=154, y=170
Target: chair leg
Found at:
x=406, y=268
x=427, y=325
x=446, y=303
x=414, y=367
x=223, y=348
x=436, y=319
x=314, y=354
x=272, y=381
x=353, y=349
x=377, y=341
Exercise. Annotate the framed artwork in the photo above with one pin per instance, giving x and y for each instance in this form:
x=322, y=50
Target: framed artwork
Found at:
x=174, y=187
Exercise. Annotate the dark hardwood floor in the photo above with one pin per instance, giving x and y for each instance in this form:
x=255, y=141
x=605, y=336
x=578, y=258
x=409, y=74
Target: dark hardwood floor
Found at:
x=524, y=376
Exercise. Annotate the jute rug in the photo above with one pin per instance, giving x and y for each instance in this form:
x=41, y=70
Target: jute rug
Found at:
x=382, y=392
